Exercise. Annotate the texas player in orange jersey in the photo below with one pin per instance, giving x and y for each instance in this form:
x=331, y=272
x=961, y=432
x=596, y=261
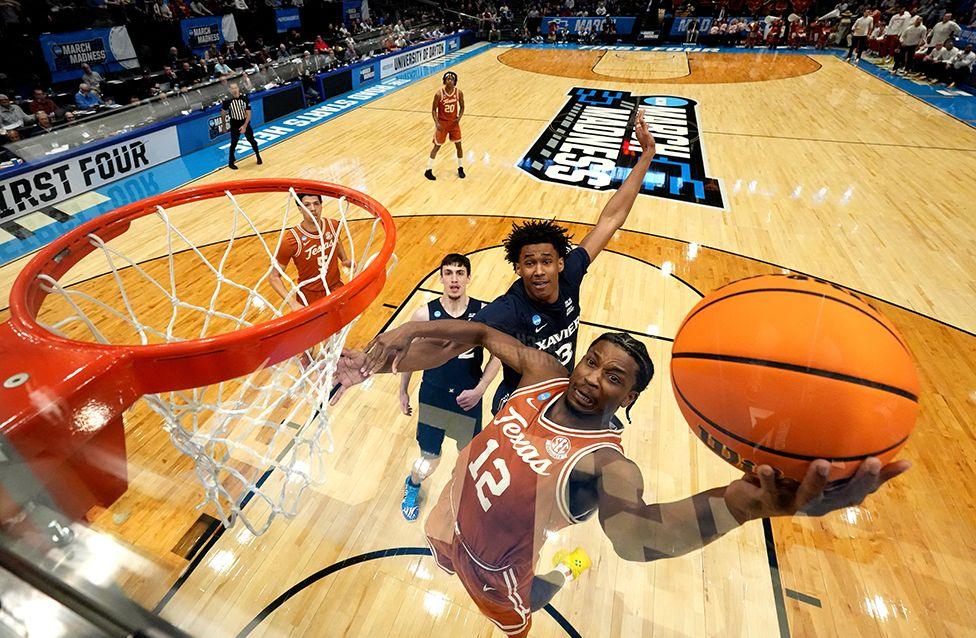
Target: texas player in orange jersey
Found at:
x=554, y=458
x=316, y=248
x=447, y=110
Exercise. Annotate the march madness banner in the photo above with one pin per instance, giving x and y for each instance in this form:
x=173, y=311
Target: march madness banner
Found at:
x=625, y=24
x=32, y=190
x=106, y=50
x=200, y=33
x=591, y=144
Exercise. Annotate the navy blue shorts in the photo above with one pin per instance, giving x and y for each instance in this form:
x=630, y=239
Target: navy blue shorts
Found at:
x=439, y=415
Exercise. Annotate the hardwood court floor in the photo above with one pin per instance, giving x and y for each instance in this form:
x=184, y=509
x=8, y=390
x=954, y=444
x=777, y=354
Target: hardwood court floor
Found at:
x=889, y=223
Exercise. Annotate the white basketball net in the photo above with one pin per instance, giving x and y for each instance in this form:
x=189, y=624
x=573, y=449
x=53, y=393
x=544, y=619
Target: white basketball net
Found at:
x=258, y=441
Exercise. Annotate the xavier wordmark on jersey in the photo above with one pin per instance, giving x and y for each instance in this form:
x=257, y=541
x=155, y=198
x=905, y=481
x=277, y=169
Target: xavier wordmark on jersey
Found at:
x=591, y=144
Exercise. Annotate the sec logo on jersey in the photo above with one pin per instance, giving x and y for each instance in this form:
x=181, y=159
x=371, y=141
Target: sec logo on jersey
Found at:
x=558, y=448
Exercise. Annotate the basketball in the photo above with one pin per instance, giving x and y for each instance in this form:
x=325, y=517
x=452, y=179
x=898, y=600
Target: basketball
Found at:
x=786, y=369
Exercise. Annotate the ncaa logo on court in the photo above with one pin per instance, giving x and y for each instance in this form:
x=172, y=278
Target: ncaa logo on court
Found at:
x=558, y=448
x=591, y=144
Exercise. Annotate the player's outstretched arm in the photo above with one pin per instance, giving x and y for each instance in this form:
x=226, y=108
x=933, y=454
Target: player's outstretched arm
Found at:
x=391, y=351
x=618, y=208
x=645, y=532
x=420, y=314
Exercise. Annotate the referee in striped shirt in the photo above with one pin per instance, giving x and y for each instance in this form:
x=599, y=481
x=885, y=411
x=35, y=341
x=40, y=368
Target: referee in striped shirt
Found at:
x=239, y=108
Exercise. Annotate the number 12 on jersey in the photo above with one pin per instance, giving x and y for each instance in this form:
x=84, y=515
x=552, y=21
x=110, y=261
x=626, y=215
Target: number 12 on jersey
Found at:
x=496, y=486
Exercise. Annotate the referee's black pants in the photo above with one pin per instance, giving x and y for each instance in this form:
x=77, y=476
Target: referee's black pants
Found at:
x=235, y=136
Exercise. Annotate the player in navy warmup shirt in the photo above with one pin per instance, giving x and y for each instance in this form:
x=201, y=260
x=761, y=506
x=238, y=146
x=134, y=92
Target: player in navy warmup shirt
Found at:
x=450, y=394
x=541, y=308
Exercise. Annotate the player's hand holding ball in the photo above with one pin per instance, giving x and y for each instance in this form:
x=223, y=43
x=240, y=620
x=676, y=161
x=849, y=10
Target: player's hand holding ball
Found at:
x=765, y=495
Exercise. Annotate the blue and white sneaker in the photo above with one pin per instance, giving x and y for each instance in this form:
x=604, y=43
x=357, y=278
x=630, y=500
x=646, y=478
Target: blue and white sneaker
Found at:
x=409, y=506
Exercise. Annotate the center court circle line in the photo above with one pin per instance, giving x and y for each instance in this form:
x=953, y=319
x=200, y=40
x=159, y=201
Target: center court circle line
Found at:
x=363, y=558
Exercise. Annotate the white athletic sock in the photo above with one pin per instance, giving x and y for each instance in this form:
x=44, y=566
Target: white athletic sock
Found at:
x=430, y=163
x=459, y=160
x=565, y=571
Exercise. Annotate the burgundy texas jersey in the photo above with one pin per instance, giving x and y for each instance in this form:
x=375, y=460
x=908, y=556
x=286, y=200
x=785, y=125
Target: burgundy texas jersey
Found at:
x=447, y=107
x=511, y=483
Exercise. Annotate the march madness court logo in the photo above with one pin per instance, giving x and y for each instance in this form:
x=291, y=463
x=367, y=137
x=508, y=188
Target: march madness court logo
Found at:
x=591, y=144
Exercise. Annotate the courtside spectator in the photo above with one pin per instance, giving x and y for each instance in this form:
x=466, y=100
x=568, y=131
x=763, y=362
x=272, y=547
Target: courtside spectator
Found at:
x=859, y=35
x=944, y=30
x=200, y=9
x=12, y=116
x=898, y=22
x=188, y=75
x=93, y=79
x=935, y=63
x=221, y=69
x=178, y=9
x=961, y=65
x=169, y=78
x=911, y=37
x=87, y=99
x=44, y=124
x=161, y=12
x=42, y=103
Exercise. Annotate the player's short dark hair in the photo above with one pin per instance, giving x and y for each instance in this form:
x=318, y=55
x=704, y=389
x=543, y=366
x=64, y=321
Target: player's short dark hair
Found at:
x=536, y=232
x=456, y=259
x=302, y=196
x=444, y=77
x=638, y=352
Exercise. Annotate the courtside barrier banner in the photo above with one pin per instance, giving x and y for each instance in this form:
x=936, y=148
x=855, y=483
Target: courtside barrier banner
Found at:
x=33, y=190
x=625, y=24
x=200, y=33
x=409, y=59
x=106, y=50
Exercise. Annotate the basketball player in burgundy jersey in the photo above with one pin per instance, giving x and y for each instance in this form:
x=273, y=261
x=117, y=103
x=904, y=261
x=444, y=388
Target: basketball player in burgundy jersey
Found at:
x=316, y=249
x=447, y=111
x=553, y=458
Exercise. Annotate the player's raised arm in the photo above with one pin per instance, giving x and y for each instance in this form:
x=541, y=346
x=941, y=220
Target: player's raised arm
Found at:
x=391, y=351
x=645, y=532
x=618, y=208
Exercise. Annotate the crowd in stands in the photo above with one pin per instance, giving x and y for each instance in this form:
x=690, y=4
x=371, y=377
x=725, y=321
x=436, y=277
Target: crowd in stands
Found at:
x=916, y=39
x=292, y=57
x=895, y=38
